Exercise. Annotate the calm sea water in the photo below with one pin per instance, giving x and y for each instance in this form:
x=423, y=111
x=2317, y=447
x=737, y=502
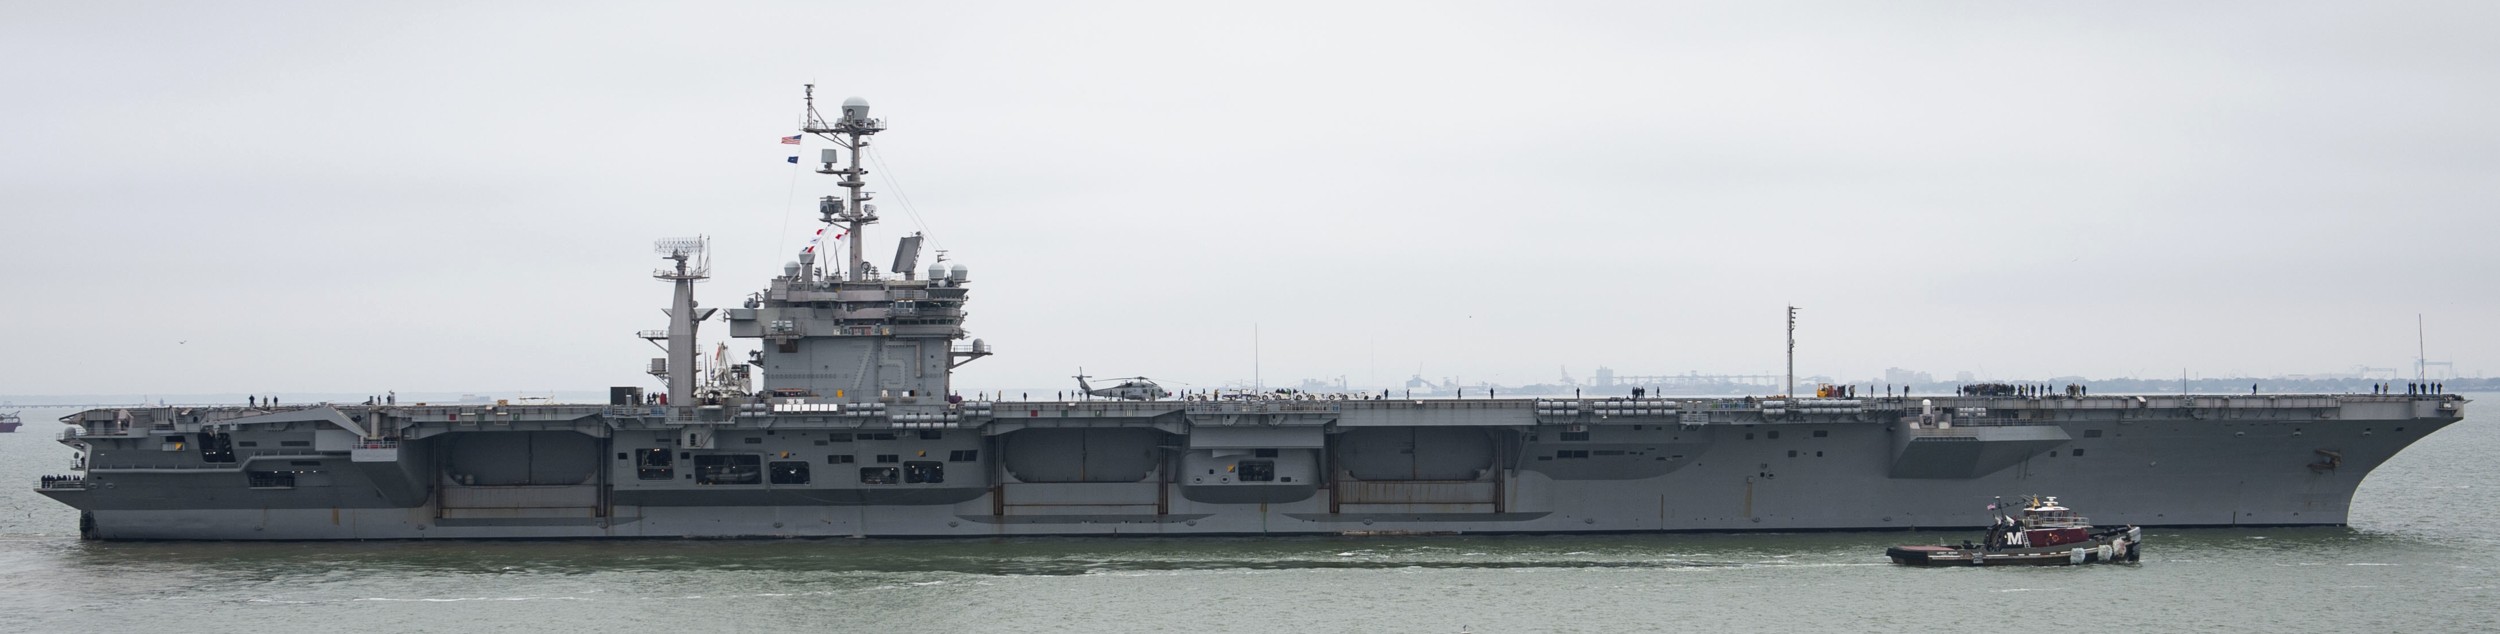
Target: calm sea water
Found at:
x=2422, y=555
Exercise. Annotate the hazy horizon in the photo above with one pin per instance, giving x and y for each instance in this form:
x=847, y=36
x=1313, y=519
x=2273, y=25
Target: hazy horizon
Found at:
x=353, y=198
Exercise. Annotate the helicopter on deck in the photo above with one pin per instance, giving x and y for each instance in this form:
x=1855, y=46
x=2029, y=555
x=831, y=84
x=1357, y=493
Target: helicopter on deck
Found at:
x=1134, y=388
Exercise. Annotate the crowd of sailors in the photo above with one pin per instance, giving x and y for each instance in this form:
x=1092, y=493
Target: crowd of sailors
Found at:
x=2415, y=388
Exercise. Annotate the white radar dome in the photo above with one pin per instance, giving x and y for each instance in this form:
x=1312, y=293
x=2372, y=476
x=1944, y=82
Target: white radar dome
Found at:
x=855, y=109
x=957, y=273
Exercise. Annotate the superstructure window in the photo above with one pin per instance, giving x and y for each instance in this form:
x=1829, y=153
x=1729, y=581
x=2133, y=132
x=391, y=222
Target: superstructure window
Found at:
x=924, y=472
x=729, y=469
x=932, y=434
x=790, y=472
x=1571, y=453
x=1258, y=471
x=1575, y=436
x=879, y=475
x=888, y=458
x=964, y=455
x=840, y=458
x=1263, y=453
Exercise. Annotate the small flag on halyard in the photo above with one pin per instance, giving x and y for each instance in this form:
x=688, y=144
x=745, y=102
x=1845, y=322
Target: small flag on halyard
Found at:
x=790, y=140
x=819, y=238
x=794, y=159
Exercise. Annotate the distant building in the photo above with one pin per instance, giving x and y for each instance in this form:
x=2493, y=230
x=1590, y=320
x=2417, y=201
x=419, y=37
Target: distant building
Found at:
x=1899, y=376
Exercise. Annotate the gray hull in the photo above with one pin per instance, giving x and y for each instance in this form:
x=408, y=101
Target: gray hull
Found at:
x=1289, y=467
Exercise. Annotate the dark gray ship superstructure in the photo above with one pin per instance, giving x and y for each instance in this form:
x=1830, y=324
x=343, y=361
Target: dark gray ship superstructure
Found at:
x=856, y=430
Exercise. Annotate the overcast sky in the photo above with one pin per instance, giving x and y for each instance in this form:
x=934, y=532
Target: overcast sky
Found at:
x=353, y=197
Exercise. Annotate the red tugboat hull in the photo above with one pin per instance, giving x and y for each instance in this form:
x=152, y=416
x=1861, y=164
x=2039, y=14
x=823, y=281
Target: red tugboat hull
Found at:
x=2046, y=534
x=2116, y=547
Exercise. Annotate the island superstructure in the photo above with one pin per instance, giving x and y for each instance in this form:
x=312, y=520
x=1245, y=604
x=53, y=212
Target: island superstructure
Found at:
x=846, y=422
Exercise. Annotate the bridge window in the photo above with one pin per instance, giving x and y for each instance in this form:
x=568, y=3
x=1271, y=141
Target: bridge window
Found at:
x=729, y=469
x=1258, y=471
x=791, y=472
x=924, y=472
x=654, y=464
x=879, y=475
x=932, y=434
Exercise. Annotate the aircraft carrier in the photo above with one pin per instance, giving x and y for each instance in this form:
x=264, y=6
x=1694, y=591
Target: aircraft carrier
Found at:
x=846, y=422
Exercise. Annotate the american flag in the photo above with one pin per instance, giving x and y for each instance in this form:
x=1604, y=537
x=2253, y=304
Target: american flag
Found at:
x=790, y=140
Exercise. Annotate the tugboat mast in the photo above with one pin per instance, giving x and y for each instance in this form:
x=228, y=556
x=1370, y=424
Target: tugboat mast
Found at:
x=851, y=131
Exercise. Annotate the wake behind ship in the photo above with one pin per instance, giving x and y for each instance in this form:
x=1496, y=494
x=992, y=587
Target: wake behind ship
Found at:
x=856, y=430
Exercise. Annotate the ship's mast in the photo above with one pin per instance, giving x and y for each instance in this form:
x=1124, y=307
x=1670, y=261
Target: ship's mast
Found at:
x=691, y=262
x=1792, y=353
x=851, y=131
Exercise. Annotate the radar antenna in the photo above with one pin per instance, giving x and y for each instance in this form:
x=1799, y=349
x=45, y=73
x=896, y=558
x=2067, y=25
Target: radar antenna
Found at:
x=851, y=132
x=692, y=262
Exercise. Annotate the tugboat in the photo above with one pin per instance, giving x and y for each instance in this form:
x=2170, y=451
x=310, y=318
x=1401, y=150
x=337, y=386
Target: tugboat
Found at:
x=2046, y=534
x=8, y=422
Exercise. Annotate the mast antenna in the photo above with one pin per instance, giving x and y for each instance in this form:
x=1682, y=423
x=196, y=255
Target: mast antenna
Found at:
x=1792, y=352
x=850, y=131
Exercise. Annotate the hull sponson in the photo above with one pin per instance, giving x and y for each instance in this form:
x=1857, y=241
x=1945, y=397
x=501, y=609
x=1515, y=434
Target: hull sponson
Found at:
x=1181, y=468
